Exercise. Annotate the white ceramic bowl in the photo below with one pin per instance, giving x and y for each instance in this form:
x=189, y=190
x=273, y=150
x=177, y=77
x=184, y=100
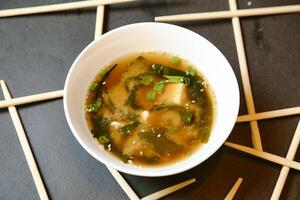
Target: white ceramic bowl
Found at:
x=152, y=37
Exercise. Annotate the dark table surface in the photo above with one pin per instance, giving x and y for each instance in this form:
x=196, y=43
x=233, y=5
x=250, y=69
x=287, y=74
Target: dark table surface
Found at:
x=37, y=51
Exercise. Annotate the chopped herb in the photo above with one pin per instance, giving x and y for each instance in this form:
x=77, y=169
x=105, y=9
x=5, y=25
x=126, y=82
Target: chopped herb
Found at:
x=103, y=139
x=93, y=86
x=175, y=60
x=174, y=79
x=146, y=80
x=159, y=87
x=151, y=96
x=187, y=117
x=94, y=107
x=129, y=127
x=191, y=71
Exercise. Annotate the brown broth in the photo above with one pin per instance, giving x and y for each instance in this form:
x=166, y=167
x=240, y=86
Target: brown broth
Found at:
x=144, y=131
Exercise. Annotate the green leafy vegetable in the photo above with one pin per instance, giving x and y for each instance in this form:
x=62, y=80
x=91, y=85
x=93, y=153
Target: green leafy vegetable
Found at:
x=129, y=127
x=103, y=139
x=131, y=97
x=159, y=87
x=146, y=80
x=174, y=79
x=93, y=86
x=164, y=70
x=151, y=96
x=100, y=126
x=187, y=117
x=177, y=79
x=191, y=71
x=196, y=89
x=175, y=60
x=94, y=107
x=105, y=73
x=161, y=145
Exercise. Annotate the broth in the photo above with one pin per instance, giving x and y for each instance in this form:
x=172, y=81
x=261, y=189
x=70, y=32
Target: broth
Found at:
x=150, y=109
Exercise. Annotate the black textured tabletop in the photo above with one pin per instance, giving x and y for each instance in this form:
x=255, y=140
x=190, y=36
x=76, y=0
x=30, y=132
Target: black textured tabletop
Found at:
x=37, y=51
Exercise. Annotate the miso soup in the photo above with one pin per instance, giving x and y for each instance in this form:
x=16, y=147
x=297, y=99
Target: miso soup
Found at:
x=150, y=109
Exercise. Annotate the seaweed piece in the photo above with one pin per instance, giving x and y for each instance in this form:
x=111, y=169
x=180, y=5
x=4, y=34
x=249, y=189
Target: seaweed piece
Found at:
x=196, y=88
x=131, y=97
x=161, y=144
x=187, y=116
x=100, y=126
x=164, y=70
x=128, y=128
x=100, y=85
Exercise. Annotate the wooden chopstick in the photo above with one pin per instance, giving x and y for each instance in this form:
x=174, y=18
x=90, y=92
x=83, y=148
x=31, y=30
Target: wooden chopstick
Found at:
x=265, y=155
x=285, y=170
x=269, y=114
x=123, y=184
x=99, y=21
x=58, y=7
x=32, y=98
x=169, y=190
x=229, y=14
x=256, y=139
x=25, y=146
x=234, y=189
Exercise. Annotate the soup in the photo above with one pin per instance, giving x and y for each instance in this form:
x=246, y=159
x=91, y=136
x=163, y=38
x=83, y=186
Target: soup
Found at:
x=150, y=109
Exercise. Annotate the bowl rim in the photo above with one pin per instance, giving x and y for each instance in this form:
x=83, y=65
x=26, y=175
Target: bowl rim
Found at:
x=183, y=168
